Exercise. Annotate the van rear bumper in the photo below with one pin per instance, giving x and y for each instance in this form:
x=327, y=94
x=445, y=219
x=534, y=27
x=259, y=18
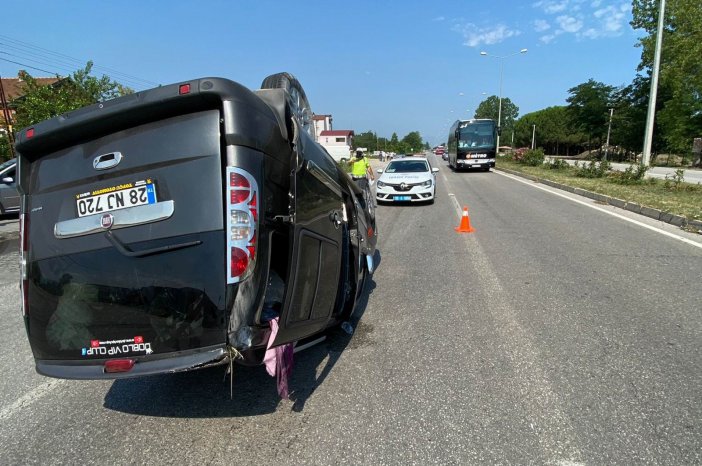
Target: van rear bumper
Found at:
x=155, y=364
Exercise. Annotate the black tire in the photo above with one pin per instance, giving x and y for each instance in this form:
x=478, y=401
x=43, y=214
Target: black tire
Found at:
x=298, y=99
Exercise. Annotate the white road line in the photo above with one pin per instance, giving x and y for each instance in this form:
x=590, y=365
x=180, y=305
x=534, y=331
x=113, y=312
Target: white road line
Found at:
x=443, y=175
x=614, y=214
x=29, y=398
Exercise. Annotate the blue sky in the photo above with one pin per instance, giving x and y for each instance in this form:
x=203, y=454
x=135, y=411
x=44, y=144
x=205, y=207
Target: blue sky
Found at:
x=381, y=66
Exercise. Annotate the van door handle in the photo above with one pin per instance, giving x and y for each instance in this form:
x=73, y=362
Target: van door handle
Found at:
x=335, y=218
x=105, y=161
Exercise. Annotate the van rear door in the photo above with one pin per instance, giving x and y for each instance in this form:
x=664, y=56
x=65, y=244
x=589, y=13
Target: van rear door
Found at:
x=125, y=242
x=316, y=255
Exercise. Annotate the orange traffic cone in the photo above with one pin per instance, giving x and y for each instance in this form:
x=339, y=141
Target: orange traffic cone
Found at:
x=465, y=227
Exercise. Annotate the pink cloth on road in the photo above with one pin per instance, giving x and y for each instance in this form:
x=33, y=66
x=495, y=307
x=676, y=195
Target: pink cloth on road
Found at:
x=279, y=361
x=269, y=358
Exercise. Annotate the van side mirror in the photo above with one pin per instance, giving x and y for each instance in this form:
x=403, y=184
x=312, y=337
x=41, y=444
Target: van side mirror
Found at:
x=380, y=170
x=8, y=180
x=499, y=130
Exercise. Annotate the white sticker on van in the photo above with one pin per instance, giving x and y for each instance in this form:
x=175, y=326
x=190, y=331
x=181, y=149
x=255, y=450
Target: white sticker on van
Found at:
x=116, y=347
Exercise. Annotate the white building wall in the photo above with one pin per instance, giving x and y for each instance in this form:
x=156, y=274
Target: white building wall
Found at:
x=322, y=125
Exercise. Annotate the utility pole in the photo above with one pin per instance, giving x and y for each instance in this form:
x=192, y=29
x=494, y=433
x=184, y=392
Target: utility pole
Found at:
x=651, y=115
x=533, y=137
x=609, y=128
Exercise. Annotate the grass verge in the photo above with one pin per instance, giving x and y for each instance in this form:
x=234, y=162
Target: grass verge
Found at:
x=672, y=196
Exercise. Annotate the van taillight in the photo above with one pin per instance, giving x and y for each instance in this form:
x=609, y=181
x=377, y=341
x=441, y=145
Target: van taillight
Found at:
x=24, y=241
x=118, y=365
x=242, y=224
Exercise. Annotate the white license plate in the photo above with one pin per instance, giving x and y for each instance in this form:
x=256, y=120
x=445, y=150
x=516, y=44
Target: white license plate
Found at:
x=476, y=166
x=116, y=197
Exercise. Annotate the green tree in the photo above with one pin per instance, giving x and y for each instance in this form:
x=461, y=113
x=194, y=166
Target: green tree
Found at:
x=489, y=108
x=588, y=107
x=4, y=148
x=393, y=146
x=680, y=112
x=413, y=141
x=367, y=140
x=630, y=105
x=553, y=132
x=40, y=102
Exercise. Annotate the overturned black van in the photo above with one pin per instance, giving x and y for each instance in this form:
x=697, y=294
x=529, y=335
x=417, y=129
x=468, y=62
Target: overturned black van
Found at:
x=162, y=231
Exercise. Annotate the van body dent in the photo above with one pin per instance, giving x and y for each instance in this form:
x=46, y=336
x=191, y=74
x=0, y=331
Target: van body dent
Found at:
x=162, y=231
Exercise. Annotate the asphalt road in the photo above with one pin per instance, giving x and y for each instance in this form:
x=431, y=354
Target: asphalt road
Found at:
x=559, y=332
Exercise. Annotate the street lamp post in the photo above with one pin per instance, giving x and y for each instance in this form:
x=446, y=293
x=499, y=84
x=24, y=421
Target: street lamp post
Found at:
x=609, y=129
x=533, y=137
x=651, y=115
x=499, y=108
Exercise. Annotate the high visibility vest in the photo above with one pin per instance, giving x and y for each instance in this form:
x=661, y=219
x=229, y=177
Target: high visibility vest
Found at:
x=359, y=167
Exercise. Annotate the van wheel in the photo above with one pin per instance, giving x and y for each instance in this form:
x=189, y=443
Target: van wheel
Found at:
x=298, y=99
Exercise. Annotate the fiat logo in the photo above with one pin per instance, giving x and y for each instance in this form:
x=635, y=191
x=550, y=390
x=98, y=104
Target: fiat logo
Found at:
x=107, y=220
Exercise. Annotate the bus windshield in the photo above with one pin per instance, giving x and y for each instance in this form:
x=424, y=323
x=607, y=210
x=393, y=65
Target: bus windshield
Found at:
x=477, y=135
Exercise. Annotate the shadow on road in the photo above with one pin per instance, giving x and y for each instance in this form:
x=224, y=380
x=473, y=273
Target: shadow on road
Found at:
x=205, y=393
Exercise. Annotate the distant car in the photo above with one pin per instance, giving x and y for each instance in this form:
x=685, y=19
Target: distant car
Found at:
x=407, y=180
x=9, y=196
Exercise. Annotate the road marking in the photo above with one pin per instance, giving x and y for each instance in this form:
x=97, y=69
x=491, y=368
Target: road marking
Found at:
x=555, y=432
x=614, y=214
x=552, y=428
x=29, y=398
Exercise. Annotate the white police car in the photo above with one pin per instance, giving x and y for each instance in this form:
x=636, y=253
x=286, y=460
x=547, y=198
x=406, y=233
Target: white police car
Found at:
x=409, y=179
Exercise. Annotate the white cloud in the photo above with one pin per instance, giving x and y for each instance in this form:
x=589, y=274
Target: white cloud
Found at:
x=569, y=23
x=547, y=38
x=585, y=19
x=474, y=36
x=552, y=6
x=541, y=25
x=439, y=18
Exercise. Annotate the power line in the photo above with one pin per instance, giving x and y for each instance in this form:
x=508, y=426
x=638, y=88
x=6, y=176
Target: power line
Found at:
x=26, y=54
x=28, y=66
x=57, y=56
x=61, y=60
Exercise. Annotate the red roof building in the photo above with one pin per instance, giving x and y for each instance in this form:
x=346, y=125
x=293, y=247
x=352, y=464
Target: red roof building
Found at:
x=338, y=132
x=321, y=123
x=11, y=89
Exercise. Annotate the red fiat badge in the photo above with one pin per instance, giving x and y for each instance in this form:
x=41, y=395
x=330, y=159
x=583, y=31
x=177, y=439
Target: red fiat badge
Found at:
x=107, y=220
